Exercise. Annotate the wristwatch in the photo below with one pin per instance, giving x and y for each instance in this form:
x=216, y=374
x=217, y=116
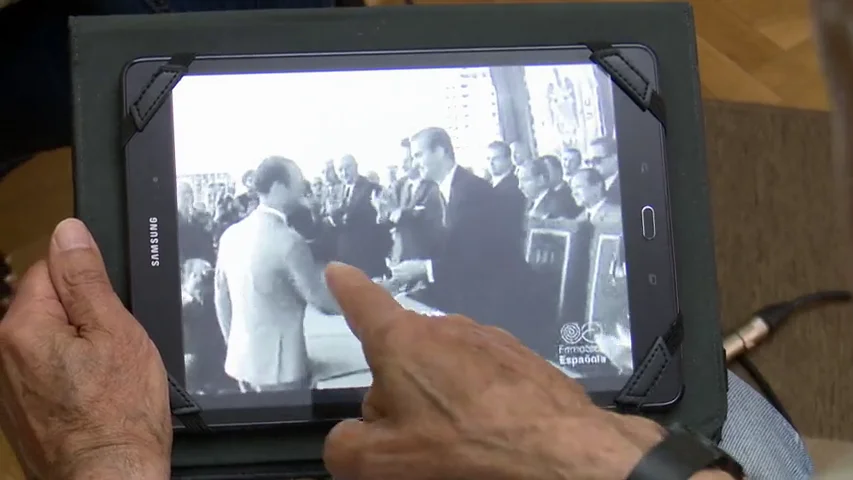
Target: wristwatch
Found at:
x=682, y=454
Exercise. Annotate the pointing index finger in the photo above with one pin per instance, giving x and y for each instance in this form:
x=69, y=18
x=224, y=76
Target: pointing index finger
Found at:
x=367, y=307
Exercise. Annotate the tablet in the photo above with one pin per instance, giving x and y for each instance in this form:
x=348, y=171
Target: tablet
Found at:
x=520, y=187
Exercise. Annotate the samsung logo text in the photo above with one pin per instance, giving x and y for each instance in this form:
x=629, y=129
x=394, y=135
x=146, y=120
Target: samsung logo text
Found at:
x=154, y=241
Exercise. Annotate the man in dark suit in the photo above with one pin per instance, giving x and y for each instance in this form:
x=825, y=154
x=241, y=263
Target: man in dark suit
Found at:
x=194, y=239
x=505, y=183
x=560, y=187
x=603, y=157
x=520, y=153
x=406, y=167
x=462, y=272
x=572, y=161
x=561, y=280
x=590, y=192
x=476, y=271
x=319, y=236
x=610, y=298
x=501, y=168
x=362, y=242
x=417, y=220
x=204, y=347
x=543, y=202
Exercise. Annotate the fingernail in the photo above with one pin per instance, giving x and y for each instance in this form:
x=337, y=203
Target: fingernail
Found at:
x=72, y=234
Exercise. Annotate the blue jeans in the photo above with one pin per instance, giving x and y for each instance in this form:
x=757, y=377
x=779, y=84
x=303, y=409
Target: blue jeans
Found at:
x=758, y=437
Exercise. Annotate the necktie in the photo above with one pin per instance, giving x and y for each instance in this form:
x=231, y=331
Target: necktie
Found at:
x=407, y=200
x=443, y=209
x=347, y=192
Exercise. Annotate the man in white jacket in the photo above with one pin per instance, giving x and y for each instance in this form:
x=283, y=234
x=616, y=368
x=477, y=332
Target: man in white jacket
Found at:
x=265, y=277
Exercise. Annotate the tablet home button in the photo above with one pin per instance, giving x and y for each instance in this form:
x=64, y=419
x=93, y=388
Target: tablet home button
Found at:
x=649, y=227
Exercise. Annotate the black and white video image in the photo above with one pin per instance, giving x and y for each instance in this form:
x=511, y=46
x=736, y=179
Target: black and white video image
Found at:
x=491, y=192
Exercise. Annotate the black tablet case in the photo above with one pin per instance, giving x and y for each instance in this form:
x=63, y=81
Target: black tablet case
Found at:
x=102, y=46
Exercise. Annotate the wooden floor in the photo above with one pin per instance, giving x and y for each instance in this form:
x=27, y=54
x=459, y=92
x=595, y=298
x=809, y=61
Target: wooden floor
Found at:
x=757, y=51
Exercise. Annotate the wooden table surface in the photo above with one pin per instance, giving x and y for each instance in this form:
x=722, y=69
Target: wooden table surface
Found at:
x=757, y=51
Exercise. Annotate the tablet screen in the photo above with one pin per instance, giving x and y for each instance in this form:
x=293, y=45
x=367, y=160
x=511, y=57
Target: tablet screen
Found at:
x=490, y=191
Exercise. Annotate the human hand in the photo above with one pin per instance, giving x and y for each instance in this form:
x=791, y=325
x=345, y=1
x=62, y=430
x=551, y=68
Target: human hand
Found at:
x=408, y=271
x=454, y=399
x=82, y=387
x=376, y=200
x=395, y=215
x=617, y=348
x=390, y=285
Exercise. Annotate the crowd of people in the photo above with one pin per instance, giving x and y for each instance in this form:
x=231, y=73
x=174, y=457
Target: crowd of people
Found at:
x=451, y=238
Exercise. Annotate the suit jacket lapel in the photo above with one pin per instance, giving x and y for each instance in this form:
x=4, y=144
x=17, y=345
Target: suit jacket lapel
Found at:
x=358, y=190
x=420, y=193
x=545, y=205
x=409, y=195
x=601, y=215
x=402, y=194
x=457, y=191
x=540, y=209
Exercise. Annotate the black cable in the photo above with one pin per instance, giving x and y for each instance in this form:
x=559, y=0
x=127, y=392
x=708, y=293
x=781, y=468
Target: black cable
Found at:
x=763, y=385
x=776, y=314
x=763, y=324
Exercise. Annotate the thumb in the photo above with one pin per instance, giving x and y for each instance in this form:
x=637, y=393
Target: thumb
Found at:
x=80, y=278
x=351, y=447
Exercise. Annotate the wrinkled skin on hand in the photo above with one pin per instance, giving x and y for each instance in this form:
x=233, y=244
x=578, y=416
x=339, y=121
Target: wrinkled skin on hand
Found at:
x=452, y=399
x=82, y=388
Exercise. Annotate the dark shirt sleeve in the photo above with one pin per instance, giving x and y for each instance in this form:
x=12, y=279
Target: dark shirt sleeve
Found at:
x=426, y=216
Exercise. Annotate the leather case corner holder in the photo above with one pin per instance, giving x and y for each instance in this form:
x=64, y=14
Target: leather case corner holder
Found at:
x=632, y=397
x=153, y=95
x=628, y=78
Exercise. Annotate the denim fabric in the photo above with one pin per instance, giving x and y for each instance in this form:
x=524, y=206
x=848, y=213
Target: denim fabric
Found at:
x=758, y=437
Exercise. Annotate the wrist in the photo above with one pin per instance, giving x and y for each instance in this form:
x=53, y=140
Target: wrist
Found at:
x=597, y=445
x=621, y=443
x=119, y=462
x=649, y=434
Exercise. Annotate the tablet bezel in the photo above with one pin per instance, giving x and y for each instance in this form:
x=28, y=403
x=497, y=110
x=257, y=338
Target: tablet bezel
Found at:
x=155, y=289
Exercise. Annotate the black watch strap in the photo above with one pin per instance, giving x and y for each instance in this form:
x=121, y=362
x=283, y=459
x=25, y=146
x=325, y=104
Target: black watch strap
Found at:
x=683, y=454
